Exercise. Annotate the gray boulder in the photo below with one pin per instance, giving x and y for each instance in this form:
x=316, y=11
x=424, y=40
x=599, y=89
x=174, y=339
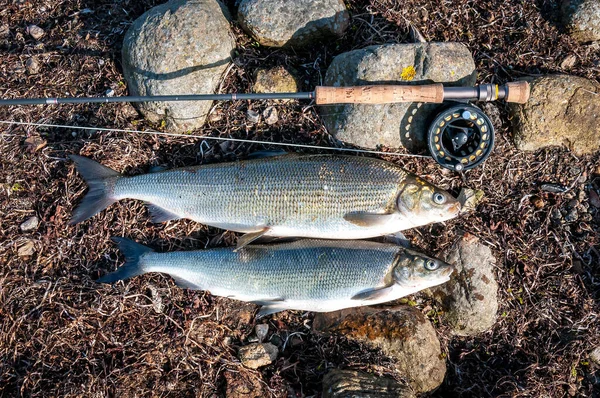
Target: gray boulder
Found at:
x=353, y=384
x=278, y=23
x=470, y=298
x=582, y=18
x=393, y=125
x=402, y=333
x=562, y=110
x=179, y=47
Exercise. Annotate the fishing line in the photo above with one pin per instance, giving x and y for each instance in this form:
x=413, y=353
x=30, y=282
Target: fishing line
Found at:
x=160, y=133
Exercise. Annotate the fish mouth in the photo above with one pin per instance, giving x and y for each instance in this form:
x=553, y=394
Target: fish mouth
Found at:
x=448, y=271
x=455, y=208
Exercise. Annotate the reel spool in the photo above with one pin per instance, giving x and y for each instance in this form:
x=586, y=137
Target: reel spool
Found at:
x=460, y=137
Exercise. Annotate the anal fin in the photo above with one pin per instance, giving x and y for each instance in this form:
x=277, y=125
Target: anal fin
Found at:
x=185, y=284
x=158, y=214
x=250, y=237
x=365, y=219
x=268, y=310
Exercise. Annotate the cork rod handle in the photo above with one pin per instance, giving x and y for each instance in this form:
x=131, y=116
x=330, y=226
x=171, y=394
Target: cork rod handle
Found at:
x=380, y=94
x=518, y=92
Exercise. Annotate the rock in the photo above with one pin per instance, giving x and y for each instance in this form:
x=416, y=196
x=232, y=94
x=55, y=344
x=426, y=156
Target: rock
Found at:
x=35, y=31
x=350, y=383
x=562, y=110
x=568, y=62
x=275, y=80
x=30, y=224
x=402, y=333
x=261, y=331
x=470, y=298
x=242, y=384
x=595, y=355
x=34, y=143
x=278, y=23
x=255, y=355
x=26, y=250
x=175, y=48
x=469, y=199
x=270, y=115
x=252, y=116
x=4, y=30
x=582, y=18
x=33, y=66
x=401, y=124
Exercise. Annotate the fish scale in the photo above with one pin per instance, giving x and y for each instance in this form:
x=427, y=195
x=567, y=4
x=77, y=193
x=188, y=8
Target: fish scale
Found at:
x=311, y=275
x=315, y=271
x=295, y=192
x=310, y=196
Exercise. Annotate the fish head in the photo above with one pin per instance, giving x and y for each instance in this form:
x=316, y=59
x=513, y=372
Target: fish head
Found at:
x=416, y=270
x=423, y=203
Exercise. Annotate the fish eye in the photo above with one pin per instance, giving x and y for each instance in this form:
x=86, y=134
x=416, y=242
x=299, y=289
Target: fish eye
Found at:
x=439, y=198
x=431, y=265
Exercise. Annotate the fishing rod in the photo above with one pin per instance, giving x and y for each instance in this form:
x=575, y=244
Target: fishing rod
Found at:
x=459, y=138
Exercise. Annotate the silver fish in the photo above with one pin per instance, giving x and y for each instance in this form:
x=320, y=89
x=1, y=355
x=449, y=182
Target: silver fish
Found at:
x=310, y=196
x=308, y=275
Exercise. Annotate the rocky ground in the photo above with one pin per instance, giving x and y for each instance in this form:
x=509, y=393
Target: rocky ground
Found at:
x=63, y=335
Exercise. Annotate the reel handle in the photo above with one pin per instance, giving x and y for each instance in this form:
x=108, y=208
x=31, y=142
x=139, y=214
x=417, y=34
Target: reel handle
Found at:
x=379, y=94
x=518, y=92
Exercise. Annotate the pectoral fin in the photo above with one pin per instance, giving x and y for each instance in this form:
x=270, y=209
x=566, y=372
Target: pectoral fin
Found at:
x=373, y=294
x=158, y=214
x=250, y=237
x=398, y=239
x=364, y=219
x=268, y=310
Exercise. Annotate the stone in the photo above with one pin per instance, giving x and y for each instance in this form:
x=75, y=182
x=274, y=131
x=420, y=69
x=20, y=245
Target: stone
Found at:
x=470, y=298
x=271, y=116
x=244, y=385
x=35, y=31
x=252, y=116
x=31, y=224
x=33, y=66
x=261, y=331
x=595, y=355
x=582, y=19
x=179, y=47
x=469, y=199
x=26, y=250
x=562, y=110
x=275, y=80
x=4, y=30
x=256, y=355
x=400, y=124
x=350, y=383
x=402, y=333
x=296, y=23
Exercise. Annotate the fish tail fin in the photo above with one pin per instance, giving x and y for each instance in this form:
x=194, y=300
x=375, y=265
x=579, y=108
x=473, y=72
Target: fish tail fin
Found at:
x=133, y=252
x=100, y=180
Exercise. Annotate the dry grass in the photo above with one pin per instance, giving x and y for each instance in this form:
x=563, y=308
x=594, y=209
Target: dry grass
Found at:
x=63, y=335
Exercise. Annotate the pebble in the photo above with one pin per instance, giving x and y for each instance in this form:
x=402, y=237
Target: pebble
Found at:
x=351, y=383
x=595, y=355
x=569, y=62
x=26, y=250
x=572, y=215
x=4, y=30
x=270, y=115
x=252, y=116
x=33, y=66
x=35, y=31
x=256, y=355
x=469, y=199
x=261, y=332
x=537, y=202
x=30, y=224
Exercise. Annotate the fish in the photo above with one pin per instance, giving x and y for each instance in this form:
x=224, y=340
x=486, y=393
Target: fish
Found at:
x=292, y=195
x=307, y=275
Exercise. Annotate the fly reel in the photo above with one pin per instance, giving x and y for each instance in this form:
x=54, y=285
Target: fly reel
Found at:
x=460, y=137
